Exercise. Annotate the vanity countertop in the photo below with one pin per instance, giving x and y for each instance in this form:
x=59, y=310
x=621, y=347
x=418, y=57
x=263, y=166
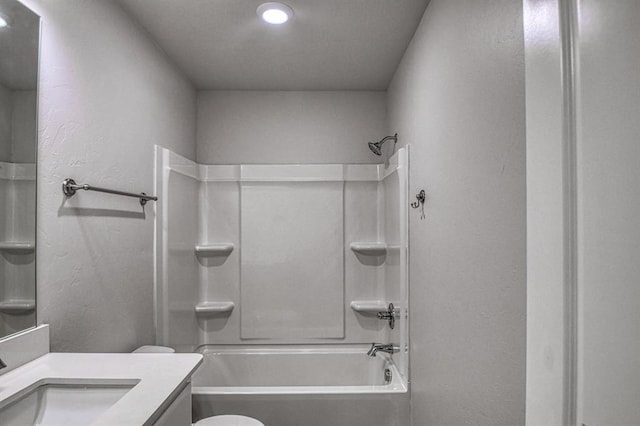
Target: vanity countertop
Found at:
x=161, y=377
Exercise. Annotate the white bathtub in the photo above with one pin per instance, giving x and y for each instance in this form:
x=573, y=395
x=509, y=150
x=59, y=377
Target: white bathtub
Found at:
x=300, y=386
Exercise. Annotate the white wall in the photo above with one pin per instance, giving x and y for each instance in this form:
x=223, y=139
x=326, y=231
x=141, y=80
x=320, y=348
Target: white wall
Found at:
x=458, y=99
x=107, y=95
x=583, y=205
x=608, y=208
x=244, y=127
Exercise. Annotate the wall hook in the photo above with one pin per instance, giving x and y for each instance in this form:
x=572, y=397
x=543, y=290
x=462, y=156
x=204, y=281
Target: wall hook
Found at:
x=421, y=197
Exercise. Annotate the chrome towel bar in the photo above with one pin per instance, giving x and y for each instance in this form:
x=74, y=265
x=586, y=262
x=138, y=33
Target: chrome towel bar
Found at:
x=69, y=188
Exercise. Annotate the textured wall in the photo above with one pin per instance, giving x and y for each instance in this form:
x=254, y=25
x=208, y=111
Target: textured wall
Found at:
x=458, y=98
x=107, y=96
x=243, y=127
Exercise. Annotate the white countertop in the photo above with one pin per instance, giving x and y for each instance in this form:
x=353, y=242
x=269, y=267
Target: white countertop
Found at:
x=161, y=377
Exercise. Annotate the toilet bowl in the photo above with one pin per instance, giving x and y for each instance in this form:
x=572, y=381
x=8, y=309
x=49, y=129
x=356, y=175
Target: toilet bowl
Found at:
x=228, y=420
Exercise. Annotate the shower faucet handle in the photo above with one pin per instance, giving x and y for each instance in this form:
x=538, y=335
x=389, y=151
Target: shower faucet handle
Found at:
x=389, y=315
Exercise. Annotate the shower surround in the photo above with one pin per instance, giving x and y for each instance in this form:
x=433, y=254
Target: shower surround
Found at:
x=17, y=246
x=264, y=263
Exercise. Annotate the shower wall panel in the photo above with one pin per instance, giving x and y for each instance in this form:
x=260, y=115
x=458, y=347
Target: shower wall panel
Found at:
x=220, y=275
x=275, y=262
x=17, y=218
x=176, y=267
x=395, y=222
x=364, y=274
x=292, y=281
x=223, y=278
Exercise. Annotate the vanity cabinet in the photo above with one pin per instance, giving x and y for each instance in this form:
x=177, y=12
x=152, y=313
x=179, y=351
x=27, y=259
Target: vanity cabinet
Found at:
x=178, y=413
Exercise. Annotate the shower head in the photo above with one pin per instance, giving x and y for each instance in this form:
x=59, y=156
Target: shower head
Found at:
x=376, y=147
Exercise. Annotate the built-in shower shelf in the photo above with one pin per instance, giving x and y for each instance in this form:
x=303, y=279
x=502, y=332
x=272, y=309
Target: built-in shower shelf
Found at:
x=213, y=250
x=17, y=246
x=369, y=248
x=369, y=306
x=17, y=306
x=214, y=308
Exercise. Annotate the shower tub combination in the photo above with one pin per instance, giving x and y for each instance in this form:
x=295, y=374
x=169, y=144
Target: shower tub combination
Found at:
x=276, y=276
x=301, y=385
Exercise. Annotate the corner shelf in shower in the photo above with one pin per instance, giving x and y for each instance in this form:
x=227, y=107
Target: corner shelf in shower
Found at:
x=214, y=308
x=214, y=250
x=369, y=248
x=17, y=246
x=17, y=306
x=369, y=306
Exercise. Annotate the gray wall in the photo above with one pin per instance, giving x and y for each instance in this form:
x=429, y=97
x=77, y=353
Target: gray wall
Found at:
x=608, y=208
x=458, y=99
x=107, y=96
x=246, y=127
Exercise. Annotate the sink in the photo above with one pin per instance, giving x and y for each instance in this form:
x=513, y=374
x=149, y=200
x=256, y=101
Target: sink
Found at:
x=61, y=402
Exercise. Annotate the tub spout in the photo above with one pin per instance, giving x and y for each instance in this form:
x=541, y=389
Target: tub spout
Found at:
x=379, y=347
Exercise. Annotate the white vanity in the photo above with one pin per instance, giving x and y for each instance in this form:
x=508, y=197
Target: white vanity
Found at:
x=93, y=388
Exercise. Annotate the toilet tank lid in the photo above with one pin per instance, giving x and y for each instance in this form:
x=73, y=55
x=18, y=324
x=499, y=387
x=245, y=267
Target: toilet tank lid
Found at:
x=151, y=349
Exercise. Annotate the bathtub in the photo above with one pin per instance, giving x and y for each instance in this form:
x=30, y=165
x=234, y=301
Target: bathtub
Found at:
x=301, y=386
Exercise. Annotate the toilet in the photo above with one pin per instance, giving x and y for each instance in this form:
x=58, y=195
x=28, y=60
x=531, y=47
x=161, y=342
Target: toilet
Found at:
x=151, y=349
x=224, y=420
x=228, y=420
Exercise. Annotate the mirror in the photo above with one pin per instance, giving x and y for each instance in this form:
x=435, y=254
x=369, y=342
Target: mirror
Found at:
x=19, y=42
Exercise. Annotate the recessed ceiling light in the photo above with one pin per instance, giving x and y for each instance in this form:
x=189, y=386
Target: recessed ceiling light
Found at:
x=4, y=22
x=274, y=13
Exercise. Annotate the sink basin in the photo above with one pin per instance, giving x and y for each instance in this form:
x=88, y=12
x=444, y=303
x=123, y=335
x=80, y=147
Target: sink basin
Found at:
x=57, y=402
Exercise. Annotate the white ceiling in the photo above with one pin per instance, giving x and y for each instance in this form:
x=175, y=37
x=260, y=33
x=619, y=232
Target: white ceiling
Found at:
x=328, y=45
